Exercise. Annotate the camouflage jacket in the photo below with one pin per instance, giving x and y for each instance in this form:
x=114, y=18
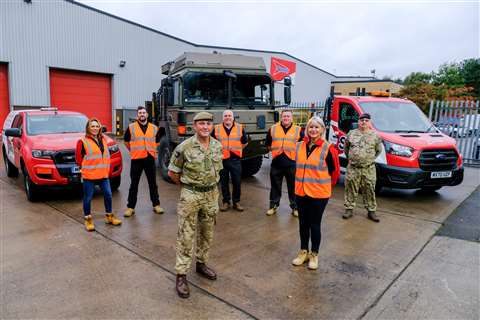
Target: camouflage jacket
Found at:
x=197, y=166
x=362, y=148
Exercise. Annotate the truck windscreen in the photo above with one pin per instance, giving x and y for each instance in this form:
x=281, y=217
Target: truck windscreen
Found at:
x=389, y=116
x=205, y=89
x=251, y=90
x=50, y=124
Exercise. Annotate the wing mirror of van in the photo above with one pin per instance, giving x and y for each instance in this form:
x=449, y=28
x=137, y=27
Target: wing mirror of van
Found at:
x=13, y=132
x=354, y=125
x=104, y=129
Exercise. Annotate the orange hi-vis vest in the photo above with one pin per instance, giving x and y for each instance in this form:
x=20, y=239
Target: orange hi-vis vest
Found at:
x=95, y=165
x=232, y=142
x=142, y=144
x=284, y=142
x=311, y=174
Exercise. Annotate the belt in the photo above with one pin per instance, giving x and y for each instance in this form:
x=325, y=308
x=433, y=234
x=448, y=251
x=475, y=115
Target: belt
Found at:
x=199, y=189
x=361, y=167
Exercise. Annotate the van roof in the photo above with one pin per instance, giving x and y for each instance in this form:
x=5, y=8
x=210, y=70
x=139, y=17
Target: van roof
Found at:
x=374, y=99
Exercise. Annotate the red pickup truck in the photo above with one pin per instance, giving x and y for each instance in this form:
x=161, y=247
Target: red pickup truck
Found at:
x=41, y=144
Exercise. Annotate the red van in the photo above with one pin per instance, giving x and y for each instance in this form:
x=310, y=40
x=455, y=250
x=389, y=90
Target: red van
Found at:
x=41, y=144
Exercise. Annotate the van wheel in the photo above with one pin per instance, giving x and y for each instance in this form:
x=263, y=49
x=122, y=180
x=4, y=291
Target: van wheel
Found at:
x=251, y=166
x=31, y=189
x=115, y=183
x=164, y=155
x=430, y=189
x=11, y=170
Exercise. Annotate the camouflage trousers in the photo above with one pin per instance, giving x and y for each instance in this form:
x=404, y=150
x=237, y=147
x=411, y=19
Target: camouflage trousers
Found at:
x=195, y=210
x=360, y=179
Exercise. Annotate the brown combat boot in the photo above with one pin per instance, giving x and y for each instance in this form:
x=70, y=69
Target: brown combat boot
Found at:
x=181, y=285
x=373, y=216
x=237, y=206
x=347, y=214
x=225, y=206
x=205, y=271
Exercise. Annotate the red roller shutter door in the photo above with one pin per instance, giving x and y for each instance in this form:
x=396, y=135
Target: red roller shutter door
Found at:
x=85, y=92
x=4, y=99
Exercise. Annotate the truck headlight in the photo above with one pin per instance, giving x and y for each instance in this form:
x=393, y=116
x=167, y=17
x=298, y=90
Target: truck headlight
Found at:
x=397, y=149
x=113, y=148
x=43, y=154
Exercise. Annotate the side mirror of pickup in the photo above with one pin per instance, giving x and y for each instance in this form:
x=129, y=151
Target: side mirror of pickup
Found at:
x=13, y=132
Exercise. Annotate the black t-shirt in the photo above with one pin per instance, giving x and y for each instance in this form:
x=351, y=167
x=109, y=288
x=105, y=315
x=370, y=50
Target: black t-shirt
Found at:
x=282, y=160
x=243, y=139
x=328, y=160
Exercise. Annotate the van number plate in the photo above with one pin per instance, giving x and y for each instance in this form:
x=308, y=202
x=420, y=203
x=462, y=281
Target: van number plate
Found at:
x=75, y=169
x=441, y=174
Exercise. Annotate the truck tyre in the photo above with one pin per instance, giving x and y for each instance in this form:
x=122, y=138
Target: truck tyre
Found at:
x=251, y=166
x=115, y=183
x=164, y=154
x=31, y=189
x=11, y=170
x=430, y=189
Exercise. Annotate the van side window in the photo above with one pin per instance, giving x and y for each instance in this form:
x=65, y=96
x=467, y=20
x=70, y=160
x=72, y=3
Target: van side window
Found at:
x=347, y=116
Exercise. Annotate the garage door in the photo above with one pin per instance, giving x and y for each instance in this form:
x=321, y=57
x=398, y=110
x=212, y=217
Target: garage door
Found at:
x=85, y=92
x=4, y=100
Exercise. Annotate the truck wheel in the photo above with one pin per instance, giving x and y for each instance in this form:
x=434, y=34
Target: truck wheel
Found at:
x=31, y=189
x=115, y=183
x=251, y=166
x=430, y=189
x=11, y=170
x=164, y=154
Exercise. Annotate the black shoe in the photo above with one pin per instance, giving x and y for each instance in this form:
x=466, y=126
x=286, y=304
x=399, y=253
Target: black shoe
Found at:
x=205, y=271
x=182, y=286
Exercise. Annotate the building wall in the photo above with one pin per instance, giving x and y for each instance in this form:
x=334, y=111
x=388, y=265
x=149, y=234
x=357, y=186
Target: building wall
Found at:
x=350, y=87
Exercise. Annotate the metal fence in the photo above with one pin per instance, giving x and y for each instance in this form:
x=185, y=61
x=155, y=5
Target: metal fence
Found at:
x=302, y=111
x=459, y=120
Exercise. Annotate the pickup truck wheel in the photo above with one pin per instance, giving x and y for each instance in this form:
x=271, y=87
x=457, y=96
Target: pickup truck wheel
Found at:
x=251, y=166
x=31, y=189
x=164, y=154
x=430, y=189
x=11, y=170
x=115, y=183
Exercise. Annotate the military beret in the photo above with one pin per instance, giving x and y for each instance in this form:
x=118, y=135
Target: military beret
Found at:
x=364, y=116
x=203, y=116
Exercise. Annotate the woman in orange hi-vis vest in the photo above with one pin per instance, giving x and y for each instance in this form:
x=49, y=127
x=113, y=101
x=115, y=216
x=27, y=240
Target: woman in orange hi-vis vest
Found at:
x=93, y=157
x=317, y=170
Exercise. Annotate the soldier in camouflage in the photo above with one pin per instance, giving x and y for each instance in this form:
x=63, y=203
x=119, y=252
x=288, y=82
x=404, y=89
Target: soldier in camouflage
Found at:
x=196, y=164
x=361, y=149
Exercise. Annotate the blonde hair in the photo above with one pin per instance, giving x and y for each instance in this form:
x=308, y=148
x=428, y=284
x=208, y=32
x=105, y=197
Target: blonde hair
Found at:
x=318, y=121
x=87, y=128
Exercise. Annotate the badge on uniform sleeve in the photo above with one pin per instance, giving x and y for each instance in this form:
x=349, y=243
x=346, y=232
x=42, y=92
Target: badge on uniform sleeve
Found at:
x=177, y=154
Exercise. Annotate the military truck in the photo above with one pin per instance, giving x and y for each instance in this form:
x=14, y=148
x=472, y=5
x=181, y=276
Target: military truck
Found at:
x=215, y=82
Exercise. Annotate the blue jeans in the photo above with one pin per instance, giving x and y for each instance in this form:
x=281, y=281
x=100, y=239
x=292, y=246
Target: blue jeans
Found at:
x=89, y=188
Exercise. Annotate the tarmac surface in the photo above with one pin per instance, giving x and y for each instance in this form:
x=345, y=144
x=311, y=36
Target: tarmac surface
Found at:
x=52, y=268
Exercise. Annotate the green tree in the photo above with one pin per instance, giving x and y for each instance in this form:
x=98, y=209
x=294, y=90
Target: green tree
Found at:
x=449, y=74
x=470, y=71
x=417, y=78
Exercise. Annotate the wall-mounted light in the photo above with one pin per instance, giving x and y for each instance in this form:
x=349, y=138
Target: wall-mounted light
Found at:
x=27, y=1
x=122, y=63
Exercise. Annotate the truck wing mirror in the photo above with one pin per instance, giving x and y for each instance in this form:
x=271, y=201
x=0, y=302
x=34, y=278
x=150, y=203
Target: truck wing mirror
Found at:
x=287, y=95
x=13, y=132
x=287, y=81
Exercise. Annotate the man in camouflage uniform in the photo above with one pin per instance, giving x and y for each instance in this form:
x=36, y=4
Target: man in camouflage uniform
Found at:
x=196, y=164
x=361, y=149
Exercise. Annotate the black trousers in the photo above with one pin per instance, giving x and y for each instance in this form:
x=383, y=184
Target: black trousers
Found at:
x=276, y=179
x=136, y=168
x=231, y=168
x=310, y=213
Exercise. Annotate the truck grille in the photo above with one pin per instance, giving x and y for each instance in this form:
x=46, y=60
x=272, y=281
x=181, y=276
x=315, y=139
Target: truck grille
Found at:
x=438, y=159
x=64, y=161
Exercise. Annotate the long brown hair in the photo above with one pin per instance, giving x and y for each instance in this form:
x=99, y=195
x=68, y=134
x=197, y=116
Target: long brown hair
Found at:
x=87, y=128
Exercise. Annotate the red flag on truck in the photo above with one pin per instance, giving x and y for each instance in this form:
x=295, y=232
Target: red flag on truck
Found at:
x=280, y=68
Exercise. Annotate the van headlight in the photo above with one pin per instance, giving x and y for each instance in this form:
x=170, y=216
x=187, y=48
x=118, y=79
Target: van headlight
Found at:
x=113, y=148
x=397, y=149
x=43, y=154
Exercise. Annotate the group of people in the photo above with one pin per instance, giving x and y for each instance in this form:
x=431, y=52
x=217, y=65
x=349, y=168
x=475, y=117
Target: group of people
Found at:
x=305, y=158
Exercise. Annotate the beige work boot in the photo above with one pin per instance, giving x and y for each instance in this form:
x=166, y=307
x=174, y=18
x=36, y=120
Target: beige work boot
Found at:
x=237, y=206
x=347, y=214
x=271, y=211
x=225, y=206
x=158, y=210
x=313, y=261
x=89, y=223
x=295, y=213
x=301, y=258
x=111, y=219
x=129, y=212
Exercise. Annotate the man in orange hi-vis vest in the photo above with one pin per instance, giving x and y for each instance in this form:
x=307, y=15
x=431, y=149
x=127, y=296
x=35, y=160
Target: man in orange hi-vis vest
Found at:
x=141, y=139
x=282, y=139
x=233, y=139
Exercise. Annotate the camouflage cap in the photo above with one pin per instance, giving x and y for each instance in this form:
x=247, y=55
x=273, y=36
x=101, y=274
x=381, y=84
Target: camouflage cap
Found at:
x=203, y=116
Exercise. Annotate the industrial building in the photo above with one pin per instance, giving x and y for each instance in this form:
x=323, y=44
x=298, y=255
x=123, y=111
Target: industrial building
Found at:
x=75, y=57
x=364, y=87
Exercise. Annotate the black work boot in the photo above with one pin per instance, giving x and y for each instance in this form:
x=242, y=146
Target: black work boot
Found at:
x=373, y=216
x=347, y=214
x=182, y=286
x=205, y=271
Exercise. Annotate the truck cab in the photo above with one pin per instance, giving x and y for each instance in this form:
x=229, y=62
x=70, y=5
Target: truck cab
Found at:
x=215, y=82
x=415, y=155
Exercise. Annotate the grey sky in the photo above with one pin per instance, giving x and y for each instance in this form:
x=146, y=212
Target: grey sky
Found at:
x=342, y=37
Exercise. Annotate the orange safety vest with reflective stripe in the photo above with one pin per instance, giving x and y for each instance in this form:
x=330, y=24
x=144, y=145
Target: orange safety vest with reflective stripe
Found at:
x=142, y=144
x=311, y=174
x=95, y=165
x=232, y=142
x=284, y=142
